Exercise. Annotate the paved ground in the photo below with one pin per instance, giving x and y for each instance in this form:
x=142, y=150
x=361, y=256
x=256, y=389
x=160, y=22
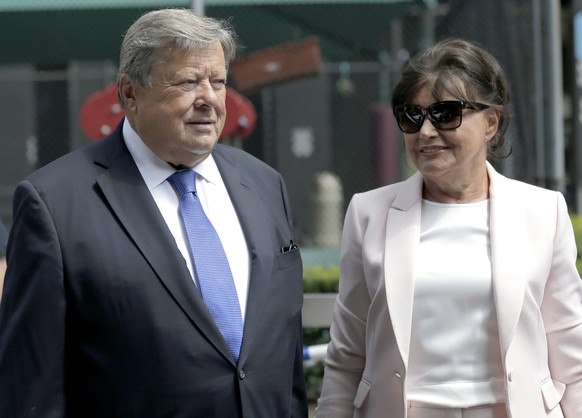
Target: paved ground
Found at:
x=311, y=410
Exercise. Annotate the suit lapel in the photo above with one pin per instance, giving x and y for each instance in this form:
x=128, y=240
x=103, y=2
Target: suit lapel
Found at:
x=134, y=207
x=252, y=217
x=402, y=238
x=506, y=229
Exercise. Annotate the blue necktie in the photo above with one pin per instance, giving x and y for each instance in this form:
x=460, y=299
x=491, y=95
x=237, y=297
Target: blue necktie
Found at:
x=212, y=270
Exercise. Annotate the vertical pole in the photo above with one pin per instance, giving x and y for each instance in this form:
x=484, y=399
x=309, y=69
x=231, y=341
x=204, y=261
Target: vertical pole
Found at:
x=198, y=7
x=577, y=101
x=553, y=105
x=539, y=130
x=428, y=24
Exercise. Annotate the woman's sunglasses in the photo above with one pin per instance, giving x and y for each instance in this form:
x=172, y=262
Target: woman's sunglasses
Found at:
x=445, y=115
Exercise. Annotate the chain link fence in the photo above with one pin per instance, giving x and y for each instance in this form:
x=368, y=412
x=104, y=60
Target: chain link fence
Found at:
x=57, y=54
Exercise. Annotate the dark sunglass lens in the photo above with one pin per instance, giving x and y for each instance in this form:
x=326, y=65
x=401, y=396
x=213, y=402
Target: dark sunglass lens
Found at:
x=446, y=115
x=410, y=118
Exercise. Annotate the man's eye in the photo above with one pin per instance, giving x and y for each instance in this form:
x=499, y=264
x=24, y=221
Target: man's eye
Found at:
x=188, y=84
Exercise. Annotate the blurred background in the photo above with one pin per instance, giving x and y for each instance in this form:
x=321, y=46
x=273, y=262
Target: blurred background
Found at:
x=315, y=79
x=309, y=94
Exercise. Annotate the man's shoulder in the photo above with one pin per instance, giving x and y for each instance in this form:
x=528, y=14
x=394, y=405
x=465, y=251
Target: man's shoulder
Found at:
x=241, y=159
x=79, y=161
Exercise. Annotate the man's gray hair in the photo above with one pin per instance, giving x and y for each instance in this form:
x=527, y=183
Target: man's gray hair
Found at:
x=179, y=28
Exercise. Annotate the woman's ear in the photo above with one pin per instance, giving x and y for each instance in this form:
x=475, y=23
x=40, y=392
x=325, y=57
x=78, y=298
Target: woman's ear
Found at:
x=493, y=117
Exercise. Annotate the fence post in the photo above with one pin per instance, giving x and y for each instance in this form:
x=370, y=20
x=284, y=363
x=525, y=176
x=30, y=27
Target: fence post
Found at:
x=326, y=200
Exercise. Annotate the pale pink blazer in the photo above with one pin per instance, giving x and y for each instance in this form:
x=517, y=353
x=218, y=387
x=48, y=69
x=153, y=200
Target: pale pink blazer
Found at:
x=537, y=291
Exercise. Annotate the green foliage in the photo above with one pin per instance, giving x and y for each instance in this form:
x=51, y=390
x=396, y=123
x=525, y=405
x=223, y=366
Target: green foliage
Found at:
x=321, y=280
x=577, y=224
x=317, y=280
x=314, y=372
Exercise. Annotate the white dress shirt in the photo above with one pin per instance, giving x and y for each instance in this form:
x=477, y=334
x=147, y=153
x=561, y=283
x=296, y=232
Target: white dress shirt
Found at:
x=455, y=354
x=214, y=199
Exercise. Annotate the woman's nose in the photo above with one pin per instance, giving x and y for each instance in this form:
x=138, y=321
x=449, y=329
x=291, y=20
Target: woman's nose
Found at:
x=427, y=129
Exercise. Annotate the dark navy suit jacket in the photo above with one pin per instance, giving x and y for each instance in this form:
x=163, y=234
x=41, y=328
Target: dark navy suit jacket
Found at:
x=3, y=239
x=100, y=318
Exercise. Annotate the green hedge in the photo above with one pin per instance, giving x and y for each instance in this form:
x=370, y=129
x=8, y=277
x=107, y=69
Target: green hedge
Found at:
x=321, y=280
x=577, y=223
x=317, y=280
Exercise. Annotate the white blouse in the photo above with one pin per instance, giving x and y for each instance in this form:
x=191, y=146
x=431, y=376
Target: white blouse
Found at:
x=455, y=358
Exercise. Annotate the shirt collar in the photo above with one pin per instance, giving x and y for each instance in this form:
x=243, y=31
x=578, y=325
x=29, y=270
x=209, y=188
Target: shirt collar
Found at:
x=153, y=169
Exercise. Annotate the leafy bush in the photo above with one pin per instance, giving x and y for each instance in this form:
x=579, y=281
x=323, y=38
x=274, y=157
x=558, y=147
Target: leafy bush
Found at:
x=317, y=280
x=321, y=279
x=577, y=223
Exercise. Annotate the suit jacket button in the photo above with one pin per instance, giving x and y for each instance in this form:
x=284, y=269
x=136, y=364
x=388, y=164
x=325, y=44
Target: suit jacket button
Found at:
x=242, y=374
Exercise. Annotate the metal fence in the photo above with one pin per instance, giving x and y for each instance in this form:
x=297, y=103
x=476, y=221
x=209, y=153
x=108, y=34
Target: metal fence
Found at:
x=56, y=54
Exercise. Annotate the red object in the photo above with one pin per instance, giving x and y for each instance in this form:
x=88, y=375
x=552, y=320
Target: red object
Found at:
x=277, y=64
x=101, y=113
x=241, y=117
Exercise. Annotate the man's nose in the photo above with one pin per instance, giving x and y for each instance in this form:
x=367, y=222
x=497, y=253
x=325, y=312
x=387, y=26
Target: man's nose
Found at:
x=205, y=94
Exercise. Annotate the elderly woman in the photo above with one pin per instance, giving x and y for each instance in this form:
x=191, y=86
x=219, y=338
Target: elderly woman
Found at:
x=459, y=294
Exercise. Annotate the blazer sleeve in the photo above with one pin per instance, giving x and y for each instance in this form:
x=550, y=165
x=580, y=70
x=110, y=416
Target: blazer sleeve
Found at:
x=346, y=355
x=562, y=313
x=32, y=314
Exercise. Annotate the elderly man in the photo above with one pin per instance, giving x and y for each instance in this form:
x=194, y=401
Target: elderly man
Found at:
x=154, y=274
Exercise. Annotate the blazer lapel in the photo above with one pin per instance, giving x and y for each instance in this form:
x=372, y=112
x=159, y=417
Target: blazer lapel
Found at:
x=402, y=238
x=505, y=229
x=131, y=201
x=251, y=216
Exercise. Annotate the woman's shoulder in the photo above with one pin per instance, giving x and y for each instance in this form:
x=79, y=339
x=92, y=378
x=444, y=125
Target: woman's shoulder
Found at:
x=387, y=192
x=520, y=189
x=402, y=194
x=531, y=200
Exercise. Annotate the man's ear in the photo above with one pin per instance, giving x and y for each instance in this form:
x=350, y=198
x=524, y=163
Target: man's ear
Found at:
x=126, y=91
